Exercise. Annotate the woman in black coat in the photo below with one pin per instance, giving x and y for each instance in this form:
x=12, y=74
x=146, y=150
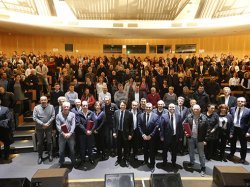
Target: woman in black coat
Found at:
x=212, y=131
x=225, y=124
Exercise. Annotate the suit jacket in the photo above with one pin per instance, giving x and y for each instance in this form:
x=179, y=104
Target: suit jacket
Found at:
x=231, y=102
x=183, y=113
x=152, y=126
x=167, y=131
x=127, y=123
x=244, y=120
x=81, y=121
x=54, y=97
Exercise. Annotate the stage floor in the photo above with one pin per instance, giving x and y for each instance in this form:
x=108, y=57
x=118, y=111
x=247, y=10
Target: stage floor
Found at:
x=25, y=165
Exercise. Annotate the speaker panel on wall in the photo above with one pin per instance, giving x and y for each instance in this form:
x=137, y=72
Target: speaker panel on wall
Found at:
x=14, y=182
x=169, y=180
x=119, y=180
x=69, y=47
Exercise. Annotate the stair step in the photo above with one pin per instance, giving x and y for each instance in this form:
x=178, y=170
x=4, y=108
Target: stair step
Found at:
x=23, y=133
x=28, y=119
x=22, y=144
x=27, y=126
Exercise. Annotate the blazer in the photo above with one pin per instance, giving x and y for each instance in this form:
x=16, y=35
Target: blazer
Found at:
x=231, y=102
x=183, y=113
x=167, y=131
x=152, y=126
x=127, y=123
x=244, y=120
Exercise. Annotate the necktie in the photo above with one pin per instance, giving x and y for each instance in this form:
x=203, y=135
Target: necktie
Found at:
x=121, y=121
x=147, y=119
x=171, y=121
x=181, y=111
x=238, y=117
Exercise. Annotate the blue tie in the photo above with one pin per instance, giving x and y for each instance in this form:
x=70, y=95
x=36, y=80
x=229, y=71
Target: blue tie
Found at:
x=238, y=117
x=121, y=122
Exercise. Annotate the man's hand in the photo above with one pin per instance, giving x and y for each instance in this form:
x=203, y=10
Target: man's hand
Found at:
x=129, y=137
x=45, y=125
x=95, y=131
x=149, y=137
x=247, y=135
x=144, y=137
x=88, y=132
x=231, y=136
x=162, y=139
x=205, y=143
x=114, y=135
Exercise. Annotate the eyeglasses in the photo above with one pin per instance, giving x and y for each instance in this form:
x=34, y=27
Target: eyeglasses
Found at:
x=85, y=105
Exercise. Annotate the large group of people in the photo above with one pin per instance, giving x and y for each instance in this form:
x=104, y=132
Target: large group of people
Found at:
x=123, y=105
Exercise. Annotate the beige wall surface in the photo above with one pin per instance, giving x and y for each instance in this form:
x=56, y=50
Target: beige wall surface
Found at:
x=239, y=45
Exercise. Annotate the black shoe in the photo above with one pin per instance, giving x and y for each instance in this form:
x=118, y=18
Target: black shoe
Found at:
x=224, y=159
x=40, y=160
x=117, y=162
x=190, y=165
x=165, y=163
x=174, y=165
x=230, y=157
x=144, y=163
x=242, y=161
x=126, y=164
x=50, y=158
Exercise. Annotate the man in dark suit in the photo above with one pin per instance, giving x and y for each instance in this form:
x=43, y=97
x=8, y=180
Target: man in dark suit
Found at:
x=148, y=124
x=171, y=133
x=136, y=140
x=183, y=112
x=54, y=95
x=227, y=99
x=136, y=95
x=123, y=131
x=5, y=130
x=240, y=129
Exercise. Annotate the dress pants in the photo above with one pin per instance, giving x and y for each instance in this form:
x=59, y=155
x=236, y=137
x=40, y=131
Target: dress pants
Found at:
x=40, y=140
x=239, y=134
x=122, y=144
x=62, y=144
x=170, y=145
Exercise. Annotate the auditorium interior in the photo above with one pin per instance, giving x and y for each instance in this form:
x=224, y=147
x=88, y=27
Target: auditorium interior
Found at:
x=206, y=43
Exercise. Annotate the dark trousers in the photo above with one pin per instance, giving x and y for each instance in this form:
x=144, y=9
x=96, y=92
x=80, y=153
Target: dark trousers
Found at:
x=122, y=144
x=109, y=139
x=5, y=138
x=134, y=143
x=170, y=145
x=149, y=150
x=100, y=141
x=222, y=142
x=210, y=148
x=86, y=144
x=239, y=134
x=40, y=140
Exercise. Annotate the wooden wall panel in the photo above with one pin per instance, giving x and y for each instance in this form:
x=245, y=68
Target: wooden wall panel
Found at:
x=237, y=44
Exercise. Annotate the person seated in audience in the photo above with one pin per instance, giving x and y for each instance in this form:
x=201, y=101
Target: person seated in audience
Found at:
x=103, y=94
x=55, y=94
x=130, y=86
x=71, y=95
x=66, y=118
x=79, y=88
x=120, y=95
x=170, y=97
x=154, y=83
x=212, y=89
x=201, y=97
x=234, y=82
x=99, y=85
x=164, y=89
x=144, y=85
x=225, y=125
x=90, y=85
x=89, y=98
x=245, y=82
x=153, y=97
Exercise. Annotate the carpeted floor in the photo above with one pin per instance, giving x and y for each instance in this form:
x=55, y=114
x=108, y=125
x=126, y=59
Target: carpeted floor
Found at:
x=25, y=165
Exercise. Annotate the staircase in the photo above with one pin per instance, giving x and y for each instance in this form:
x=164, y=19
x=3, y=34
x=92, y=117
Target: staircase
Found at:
x=24, y=137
